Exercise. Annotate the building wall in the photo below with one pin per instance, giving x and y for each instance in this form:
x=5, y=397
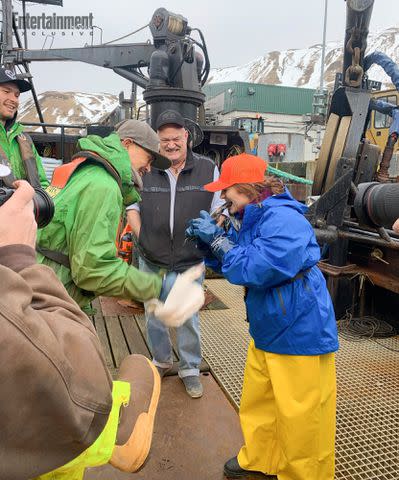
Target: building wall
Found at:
x=272, y=120
x=282, y=109
x=294, y=142
x=281, y=128
x=262, y=98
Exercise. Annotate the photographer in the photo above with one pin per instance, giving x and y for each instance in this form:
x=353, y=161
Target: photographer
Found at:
x=57, y=398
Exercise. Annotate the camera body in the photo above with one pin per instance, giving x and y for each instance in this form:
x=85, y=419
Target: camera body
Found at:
x=43, y=205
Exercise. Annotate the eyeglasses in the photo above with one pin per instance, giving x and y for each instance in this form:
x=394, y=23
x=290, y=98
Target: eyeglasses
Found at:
x=165, y=141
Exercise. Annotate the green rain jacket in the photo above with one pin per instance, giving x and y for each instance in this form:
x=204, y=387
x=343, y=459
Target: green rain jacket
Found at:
x=8, y=142
x=87, y=214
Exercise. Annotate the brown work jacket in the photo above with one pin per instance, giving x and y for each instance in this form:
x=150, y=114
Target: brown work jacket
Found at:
x=55, y=390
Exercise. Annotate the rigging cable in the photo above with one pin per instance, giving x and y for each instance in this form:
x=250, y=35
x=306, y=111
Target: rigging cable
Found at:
x=125, y=36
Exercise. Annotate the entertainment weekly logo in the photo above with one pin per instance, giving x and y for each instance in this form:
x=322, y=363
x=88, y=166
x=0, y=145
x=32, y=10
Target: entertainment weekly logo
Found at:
x=45, y=25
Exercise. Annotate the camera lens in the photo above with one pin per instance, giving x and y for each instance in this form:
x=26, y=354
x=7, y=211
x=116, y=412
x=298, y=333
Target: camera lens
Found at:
x=5, y=194
x=377, y=204
x=43, y=207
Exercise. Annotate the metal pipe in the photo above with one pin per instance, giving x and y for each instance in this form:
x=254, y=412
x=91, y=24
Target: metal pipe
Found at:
x=323, y=54
x=326, y=236
x=331, y=236
x=133, y=77
x=393, y=244
x=323, y=49
x=60, y=125
x=370, y=230
x=384, y=234
x=25, y=32
x=26, y=67
x=62, y=143
x=108, y=56
x=383, y=172
x=7, y=25
x=139, y=110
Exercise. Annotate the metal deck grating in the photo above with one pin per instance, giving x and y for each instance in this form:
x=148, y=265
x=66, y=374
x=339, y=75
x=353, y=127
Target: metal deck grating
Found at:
x=368, y=410
x=367, y=445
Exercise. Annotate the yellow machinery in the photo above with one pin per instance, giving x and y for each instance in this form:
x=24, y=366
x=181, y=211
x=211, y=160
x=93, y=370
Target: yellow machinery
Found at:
x=378, y=128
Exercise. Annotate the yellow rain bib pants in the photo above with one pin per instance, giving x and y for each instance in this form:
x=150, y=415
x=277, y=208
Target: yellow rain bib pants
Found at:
x=101, y=451
x=287, y=415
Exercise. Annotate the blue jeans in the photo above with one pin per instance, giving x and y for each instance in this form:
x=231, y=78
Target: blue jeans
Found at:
x=187, y=335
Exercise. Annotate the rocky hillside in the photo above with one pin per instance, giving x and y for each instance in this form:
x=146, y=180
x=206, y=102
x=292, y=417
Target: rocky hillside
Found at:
x=70, y=108
x=301, y=67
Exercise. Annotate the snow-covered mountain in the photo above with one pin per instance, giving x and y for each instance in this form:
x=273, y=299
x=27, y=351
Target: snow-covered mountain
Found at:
x=301, y=67
x=70, y=108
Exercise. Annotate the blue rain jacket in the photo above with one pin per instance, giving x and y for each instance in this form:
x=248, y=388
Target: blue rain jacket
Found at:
x=274, y=244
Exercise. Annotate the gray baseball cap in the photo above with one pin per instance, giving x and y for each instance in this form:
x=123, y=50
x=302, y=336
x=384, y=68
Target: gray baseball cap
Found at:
x=145, y=137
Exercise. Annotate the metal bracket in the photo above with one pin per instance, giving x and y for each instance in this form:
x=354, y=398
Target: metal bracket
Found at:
x=330, y=208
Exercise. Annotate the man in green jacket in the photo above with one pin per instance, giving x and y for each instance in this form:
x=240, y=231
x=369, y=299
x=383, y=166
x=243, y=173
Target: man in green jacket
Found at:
x=89, y=195
x=11, y=130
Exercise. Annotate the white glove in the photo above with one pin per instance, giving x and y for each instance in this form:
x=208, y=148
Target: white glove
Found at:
x=185, y=298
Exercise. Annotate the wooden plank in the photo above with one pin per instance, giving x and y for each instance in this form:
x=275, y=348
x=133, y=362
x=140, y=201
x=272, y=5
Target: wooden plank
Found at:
x=140, y=320
x=339, y=145
x=95, y=304
x=116, y=339
x=323, y=161
x=102, y=335
x=133, y=335
x=111, y=306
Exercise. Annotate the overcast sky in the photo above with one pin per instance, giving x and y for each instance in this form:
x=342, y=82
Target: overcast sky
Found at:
x=235, y=31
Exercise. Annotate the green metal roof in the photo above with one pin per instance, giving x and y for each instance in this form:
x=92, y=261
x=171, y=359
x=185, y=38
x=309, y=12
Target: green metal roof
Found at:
x=261, y=98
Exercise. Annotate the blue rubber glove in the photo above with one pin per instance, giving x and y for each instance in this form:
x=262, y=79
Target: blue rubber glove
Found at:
x=200, y=245
x=204, y=228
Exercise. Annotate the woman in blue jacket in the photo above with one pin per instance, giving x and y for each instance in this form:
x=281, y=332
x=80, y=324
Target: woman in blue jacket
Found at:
x=287, y=410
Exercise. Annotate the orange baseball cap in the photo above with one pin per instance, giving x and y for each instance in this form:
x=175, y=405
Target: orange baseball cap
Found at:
x=243, y=168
